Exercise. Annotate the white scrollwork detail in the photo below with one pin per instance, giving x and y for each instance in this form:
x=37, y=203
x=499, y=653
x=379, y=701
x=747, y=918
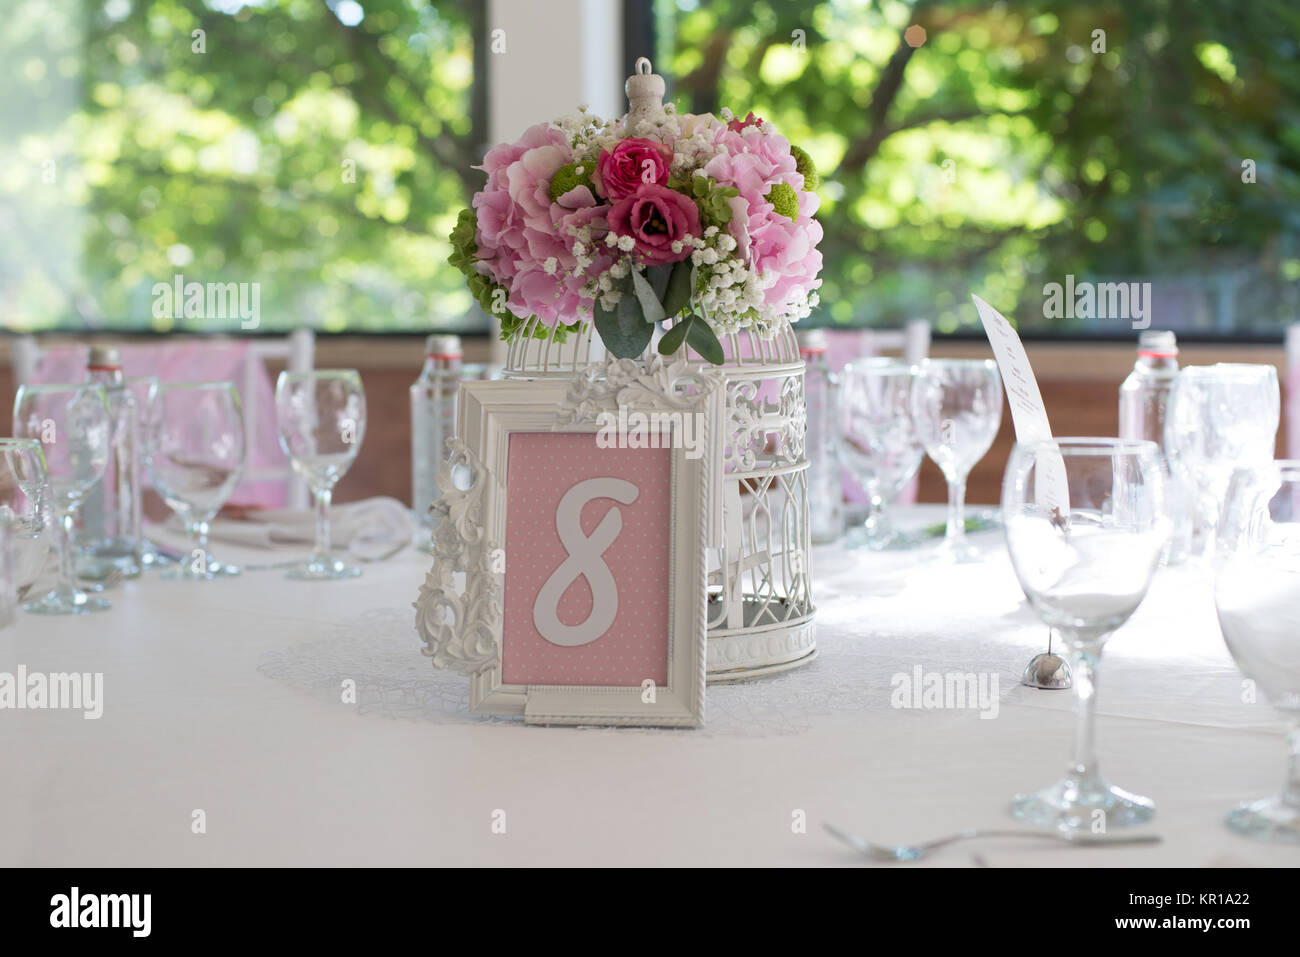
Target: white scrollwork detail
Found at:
x=762, y=434
x=461, y=629
x=635, y=383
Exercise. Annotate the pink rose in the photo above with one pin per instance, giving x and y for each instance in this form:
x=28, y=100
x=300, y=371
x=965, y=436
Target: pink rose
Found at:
x=656, y=217
x=632, y=164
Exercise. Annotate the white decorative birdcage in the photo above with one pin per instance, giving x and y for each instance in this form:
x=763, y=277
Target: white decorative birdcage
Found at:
x=760, y=609
x=760, y=591
x=534, y=352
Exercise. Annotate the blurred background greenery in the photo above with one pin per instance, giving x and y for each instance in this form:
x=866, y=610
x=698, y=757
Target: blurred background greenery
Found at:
x=323, y=149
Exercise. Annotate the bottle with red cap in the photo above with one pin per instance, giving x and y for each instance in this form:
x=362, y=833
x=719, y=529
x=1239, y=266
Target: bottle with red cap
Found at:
x=433, y=421
x=1145, y=393
x=108, y=536
x=1143, y=401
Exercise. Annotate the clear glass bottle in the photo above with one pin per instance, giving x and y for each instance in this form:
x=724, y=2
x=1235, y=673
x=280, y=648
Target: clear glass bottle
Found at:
x=1143, y=400
x=825, y=492
x=433, y=421
x=108, y=534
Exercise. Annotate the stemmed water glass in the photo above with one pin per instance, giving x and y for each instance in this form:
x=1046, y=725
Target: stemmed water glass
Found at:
x=25, y=506
x=878, y=441
x=1257, y=593
x=144, y=389
x=1219, y=417
x=195, y=452
x=957, y=407
x=1085, y=525
x=322, y=420
x=74, y=428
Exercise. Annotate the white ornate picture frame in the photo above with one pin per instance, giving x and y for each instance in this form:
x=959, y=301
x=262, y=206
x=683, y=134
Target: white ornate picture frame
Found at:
x=463, y=626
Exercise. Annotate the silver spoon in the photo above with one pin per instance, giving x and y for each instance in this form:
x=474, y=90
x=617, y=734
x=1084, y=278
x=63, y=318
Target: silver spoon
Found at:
x=914, y=852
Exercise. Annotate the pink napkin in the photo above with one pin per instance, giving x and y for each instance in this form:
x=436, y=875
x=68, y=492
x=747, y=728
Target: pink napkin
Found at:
x=216, y=361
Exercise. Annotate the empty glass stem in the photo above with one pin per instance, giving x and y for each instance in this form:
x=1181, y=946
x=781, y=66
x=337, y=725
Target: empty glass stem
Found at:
x=66, y=577
x=323, y=497
x=956, y=511
x=1083, y=769
x=877, y=520
x=197, y=529
x=1291, y=793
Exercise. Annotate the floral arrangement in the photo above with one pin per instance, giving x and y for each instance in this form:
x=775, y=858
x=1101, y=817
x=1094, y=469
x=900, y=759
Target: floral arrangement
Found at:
x=706, y=221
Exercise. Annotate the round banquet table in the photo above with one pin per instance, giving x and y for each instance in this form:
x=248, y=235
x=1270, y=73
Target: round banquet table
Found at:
x=230, y=698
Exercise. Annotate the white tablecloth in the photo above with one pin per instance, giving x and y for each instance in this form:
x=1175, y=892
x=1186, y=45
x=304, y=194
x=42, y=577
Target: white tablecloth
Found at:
x=227, y=697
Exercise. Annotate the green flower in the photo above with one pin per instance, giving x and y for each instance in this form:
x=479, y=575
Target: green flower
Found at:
x=784, y=200
x=464, y=253
x=806, y=167
x=709, y=197
x=566, y=178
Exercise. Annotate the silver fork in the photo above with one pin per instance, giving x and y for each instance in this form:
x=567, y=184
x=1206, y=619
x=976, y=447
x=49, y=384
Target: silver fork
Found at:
x=914, y=852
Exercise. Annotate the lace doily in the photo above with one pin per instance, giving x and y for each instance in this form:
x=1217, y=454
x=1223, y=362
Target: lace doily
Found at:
x=380, y=652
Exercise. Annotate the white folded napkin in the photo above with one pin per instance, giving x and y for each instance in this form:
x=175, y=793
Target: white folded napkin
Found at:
x=370, y=528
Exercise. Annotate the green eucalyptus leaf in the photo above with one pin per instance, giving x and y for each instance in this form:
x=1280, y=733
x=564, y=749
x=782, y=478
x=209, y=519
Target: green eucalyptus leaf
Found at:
x=658, y=277
x=678, y=294
x=672, y=339
x=623, y=329
x=651, y=308
x=702, y=339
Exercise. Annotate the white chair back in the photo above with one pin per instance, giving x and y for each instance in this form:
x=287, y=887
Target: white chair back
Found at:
x=912, y=342
x=298, y=352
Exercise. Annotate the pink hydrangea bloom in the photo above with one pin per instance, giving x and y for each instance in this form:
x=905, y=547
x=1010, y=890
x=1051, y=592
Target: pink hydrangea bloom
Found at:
x=753, y=162
x=519, y=246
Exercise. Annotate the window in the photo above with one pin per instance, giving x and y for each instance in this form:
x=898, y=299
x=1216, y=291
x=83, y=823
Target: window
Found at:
x=319, y=149
x=999, y=147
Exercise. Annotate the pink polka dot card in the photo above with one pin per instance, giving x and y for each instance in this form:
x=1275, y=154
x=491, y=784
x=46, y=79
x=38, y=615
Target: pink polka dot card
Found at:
x=579, y=527
x=590, y=553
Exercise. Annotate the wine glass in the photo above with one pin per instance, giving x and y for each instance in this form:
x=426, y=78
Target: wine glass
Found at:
x=195, y=453
x=1219, y=417
x=957, y=407
x=878, y=441
x=25, y=506
x=144, y=389
x=322, y=419
x=1257, y=593
x=1085, y=525
x=73, y=425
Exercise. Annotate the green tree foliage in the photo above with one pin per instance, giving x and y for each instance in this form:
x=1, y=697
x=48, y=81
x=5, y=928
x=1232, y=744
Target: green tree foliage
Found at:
x=327, y=157
x=280, y=145
x=1017, y=143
